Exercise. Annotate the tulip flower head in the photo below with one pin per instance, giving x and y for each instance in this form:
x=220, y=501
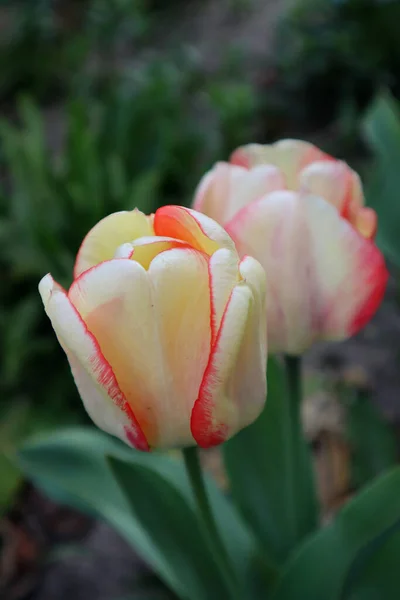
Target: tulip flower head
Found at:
x=300, y=213
x=163, y=327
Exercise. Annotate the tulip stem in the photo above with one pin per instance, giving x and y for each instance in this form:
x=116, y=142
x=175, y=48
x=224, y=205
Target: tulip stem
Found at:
x=196, y=477
x=302, y=475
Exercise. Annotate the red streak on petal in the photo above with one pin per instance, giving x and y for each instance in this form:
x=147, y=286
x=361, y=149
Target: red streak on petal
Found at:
x=204, y=430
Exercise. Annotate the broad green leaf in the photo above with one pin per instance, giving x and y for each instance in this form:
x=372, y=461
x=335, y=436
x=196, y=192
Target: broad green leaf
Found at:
x=269, y=478
x=377, y=574
x=71, y=465
x=320, y=567
x=382, y=131
x=174, y=529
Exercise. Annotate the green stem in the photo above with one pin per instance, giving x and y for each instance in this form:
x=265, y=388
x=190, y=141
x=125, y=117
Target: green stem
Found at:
x=293, y=371
x=305, y=511
x=195, y=474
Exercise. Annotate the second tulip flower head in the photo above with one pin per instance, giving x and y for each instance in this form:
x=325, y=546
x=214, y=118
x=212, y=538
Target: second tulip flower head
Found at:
x=301, y=214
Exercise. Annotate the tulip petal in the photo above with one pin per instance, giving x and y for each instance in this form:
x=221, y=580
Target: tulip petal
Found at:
x=212, y=193
x=94, y=377
x=291, y=156
x=365, y=220
x=181, y=296
x=325, y=279
x=335, y=182
x=351, y=271
x=249, y=377
x=114, y=299
x=198, y=230
x=103, y=239
x=224, y=275
x=233, y=389
x=154, y=329
x=146, y=248
x=228, y=188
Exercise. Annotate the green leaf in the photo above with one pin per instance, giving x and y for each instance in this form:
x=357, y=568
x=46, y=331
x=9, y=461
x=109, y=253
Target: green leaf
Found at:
x=320, y=567
x=376, y=575
x=174, y=530
x=382, y=131
x=70, y=464
x=276, y=497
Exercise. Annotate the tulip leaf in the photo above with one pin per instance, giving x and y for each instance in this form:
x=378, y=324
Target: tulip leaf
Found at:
x=382, y=131
x=376, y=573
x=173, y=527
x=268, y=472
x=71, y=466
x=321, y=567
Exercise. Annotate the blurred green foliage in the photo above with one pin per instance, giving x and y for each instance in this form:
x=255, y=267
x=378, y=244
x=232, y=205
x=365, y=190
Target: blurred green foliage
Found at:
x=381, y=128
x=331, y=57
x=95, y=121
x=119, y=136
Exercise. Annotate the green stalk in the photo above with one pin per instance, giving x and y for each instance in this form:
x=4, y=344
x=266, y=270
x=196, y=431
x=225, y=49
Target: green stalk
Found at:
x=305, y=505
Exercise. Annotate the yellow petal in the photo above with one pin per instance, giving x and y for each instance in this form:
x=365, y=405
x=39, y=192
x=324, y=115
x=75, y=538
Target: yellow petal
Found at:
x=144, y=249
x=111, y=232
x=94, y=377
x=154, y=329
x=198, y=230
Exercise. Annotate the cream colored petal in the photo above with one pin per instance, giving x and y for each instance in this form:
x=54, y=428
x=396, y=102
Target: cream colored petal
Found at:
x=94, y=377
x=248, y=380
x=212, y=194
x=253, y=185
x=198, y=230
x=229, y=397
x=115, y=301
x=228, y=188
x=154, y=329
x=349, y=269
x=291, y=156
x=270, y=230
x=335, y=182
x=224, y=275
x=102, y=241
x=324, y=279
x=181, y=296
x=144, y=249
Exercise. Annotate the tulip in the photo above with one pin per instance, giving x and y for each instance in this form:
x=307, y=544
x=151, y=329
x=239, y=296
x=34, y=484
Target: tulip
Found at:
x=163, y=328
x=301, y=214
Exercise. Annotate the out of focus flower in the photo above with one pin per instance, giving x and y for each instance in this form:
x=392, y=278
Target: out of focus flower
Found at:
x=164, y=329
x=301, y=213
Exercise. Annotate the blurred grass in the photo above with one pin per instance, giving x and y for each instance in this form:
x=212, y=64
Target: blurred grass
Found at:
x=130, y=136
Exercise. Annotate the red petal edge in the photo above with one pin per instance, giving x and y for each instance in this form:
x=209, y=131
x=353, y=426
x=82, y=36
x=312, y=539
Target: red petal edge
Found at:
x=204, y=432
x=378, y=278
x=106, y=379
